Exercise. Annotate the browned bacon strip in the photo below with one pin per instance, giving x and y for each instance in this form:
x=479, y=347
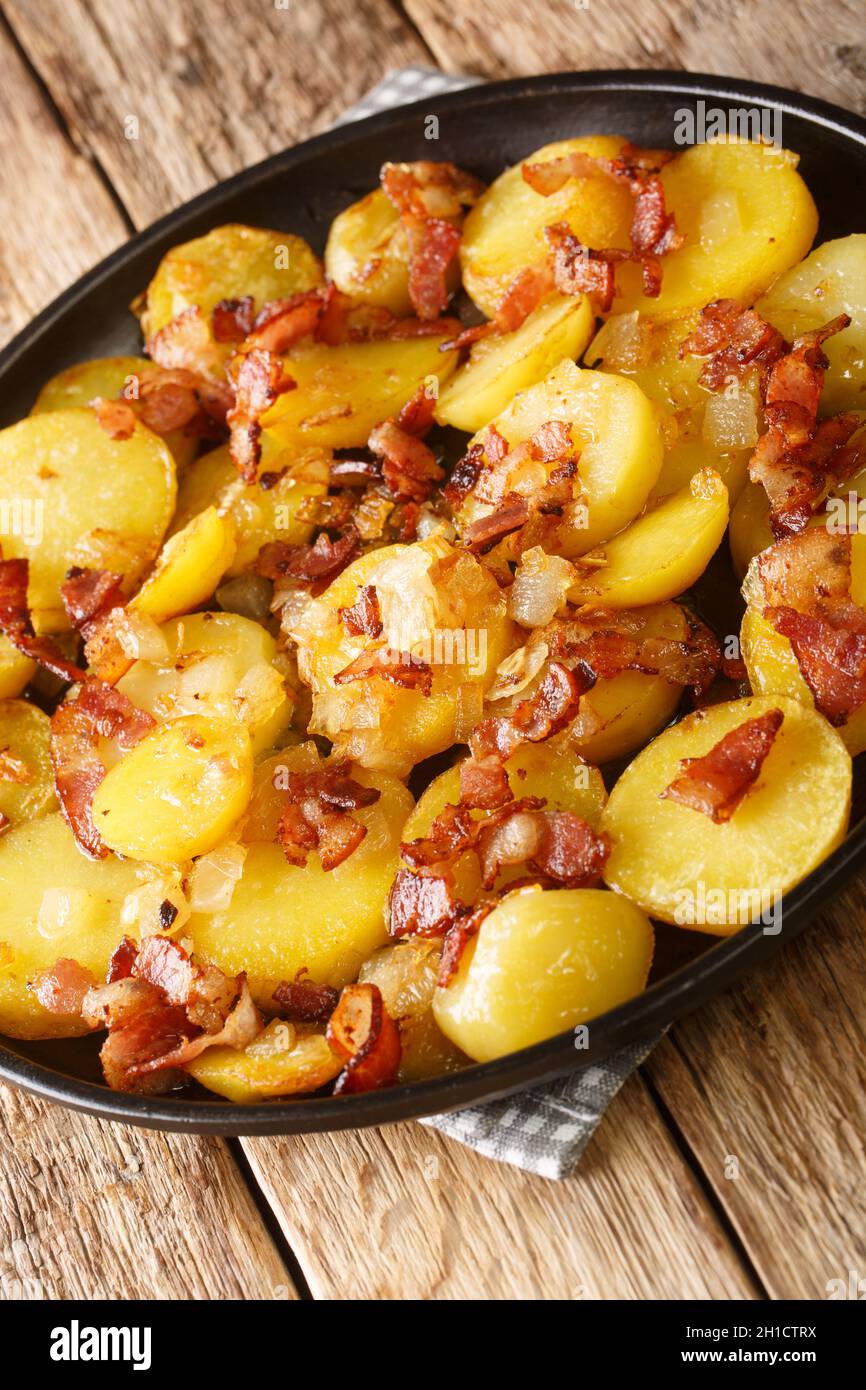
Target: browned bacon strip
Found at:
x=716, y=783
x=61, y=988
x=364, y=617
x=551, y=706
x=284, y=322
x=734, y=340
x=303, y=1001
x=316, y=815
x=484, y=783
x=232, y=319
x=15, y=623
x=526, y=291
x=409, y=468
x=421, y=904
x=364, y=1035
x=89, y=595
x=260, y=380
x=76, y=727
x=318, y=563
x=456, y=940
x=427, y=195
x=832, y=660
x=187, y=345
x=398, y=668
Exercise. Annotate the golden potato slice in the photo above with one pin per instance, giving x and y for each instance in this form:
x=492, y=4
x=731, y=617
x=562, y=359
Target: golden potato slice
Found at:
x=437, y=604
x=342, y=392
x=405, y=973
x=500, y=366
x=367, y=255
x=830, y=281
x=107, y=377
x=54, y=904
x=504, y=232
x=700, y=428
x=92, y=500
x=16, y=670
x=662, y=553
x=189, y=567
x=260, y=514
x=544, y=962
x=177, y=793
x=547, y=770
x=682, y=867
x=227, y=263
x=219, y=665
x=26, y=774
x=747, y=216
x=282, y=918
x=283, y=1061
x=614, y=427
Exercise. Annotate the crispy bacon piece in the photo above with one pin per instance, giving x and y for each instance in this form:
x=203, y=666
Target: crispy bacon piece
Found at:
x=734, y=340
x=795, y=383
x=427, y=194
x=318, y=563
x=398, y=668
x=232, y=319
x=484, y=783
x=61, y=989
x=88, y=595
x=174, y=400
x=416, y=416
x=510, y=515
x=97, y=712
x=421, y=904
x=15, y=623
x=186, y=344
x=526, y=291
x=283, y=322
x=612, y=642
x=716, y=783
x=832, y=660
x=116, y=417
x=551, y=706
x=798, y=478
x=579, y=269
x=364, y=617
x=570, y=852
x=122, y=960
x=303, y=1001
x=409, y=468
x=453, y=830
x=465, y=475
x=365, y=1036
x=456, y=940
x=260, y=380
x=316, y=815
x=509, y=837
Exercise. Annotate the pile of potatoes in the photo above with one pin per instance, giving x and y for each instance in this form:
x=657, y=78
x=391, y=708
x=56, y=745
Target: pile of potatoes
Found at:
x=242, y=692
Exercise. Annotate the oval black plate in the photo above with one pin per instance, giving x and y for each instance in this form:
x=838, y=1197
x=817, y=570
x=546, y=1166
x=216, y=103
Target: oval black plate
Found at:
x=483, y=129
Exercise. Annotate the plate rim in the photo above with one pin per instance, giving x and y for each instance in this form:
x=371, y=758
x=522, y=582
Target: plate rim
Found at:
x=664, y=1002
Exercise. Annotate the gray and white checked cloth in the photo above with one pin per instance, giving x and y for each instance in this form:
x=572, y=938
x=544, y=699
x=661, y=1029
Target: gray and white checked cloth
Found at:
x=545, y=1130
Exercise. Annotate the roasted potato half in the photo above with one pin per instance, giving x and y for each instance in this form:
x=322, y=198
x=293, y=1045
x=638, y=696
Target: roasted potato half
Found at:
x=342, y=392
x=282, y=918
x=55, y=904
x=93, y=501
x=108, y=377
x=441, y=609
x=830, y=281
x=541, y=963
x=615, y=431
x=227, y=263
x=683, y=867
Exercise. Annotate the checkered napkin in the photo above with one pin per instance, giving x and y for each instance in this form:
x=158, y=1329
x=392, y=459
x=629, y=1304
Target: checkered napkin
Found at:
x=546, y=1130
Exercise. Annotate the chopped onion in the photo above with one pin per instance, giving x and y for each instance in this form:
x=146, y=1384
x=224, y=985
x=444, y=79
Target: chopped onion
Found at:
x=214, y=876
x=518, y=670
x=515, y=840
x=208, y=682
x=720, y=218
x=139, y=638
x=731, y=421
x=158, y=907
x=540, y=587
x=260, y=693
x=277, y=1039
x=620, y=343
x=248, y=595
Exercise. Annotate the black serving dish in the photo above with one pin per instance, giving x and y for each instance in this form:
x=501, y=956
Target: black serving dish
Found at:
x=482, y=129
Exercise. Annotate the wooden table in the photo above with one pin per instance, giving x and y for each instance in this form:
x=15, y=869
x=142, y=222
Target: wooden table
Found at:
x=731, y=1167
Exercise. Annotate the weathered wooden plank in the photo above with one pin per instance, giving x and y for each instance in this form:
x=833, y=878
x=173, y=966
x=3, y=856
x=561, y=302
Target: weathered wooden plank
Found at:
x=174, y=97
x=58, y=217
x=812, y=48
x=402, y=1213
x=95, y=1210
x=768, y=1086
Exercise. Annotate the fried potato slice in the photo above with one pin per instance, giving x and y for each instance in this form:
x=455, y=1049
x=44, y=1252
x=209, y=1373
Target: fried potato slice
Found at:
x=26, y=775
x=682, y=867
x=283, y=1061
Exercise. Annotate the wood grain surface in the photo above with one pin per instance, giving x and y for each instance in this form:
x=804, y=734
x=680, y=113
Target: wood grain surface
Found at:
x=731, y=1168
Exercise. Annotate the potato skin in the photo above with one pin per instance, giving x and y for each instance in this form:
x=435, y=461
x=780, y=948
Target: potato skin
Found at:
x=37, y=857
x=541, y=963
x=65, y=460
x=269, y=929
x=682, y=867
